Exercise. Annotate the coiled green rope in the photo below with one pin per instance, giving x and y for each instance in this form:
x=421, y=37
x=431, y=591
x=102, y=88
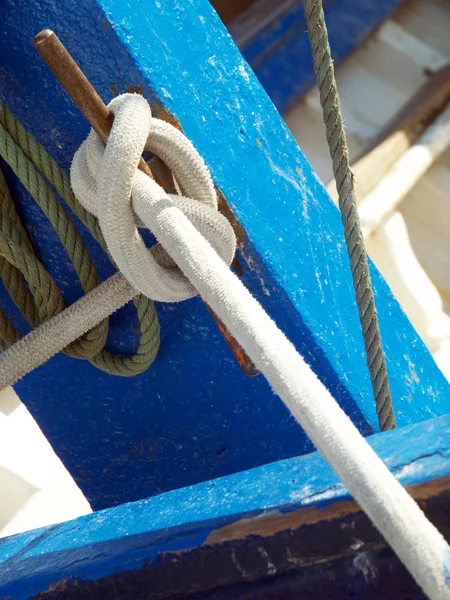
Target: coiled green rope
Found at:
x=42, y=299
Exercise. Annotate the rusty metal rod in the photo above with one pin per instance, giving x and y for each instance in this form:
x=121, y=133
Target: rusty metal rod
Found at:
x=76, y=84
x=83, y=94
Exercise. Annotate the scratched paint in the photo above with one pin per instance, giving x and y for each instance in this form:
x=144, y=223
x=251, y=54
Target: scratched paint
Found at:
x=194, y=416
x=252, y=505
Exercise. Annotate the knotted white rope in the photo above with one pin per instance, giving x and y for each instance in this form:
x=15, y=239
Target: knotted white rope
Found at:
x=107, y=182
x=106, y=192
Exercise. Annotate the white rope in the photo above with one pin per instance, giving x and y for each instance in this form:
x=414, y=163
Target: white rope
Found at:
x=415, y=540
x=106, y=193
x=51, y=337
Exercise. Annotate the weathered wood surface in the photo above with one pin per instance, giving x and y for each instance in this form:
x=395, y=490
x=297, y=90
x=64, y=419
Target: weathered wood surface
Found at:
x=399, y=134
x=194, y=416
x=287, y=529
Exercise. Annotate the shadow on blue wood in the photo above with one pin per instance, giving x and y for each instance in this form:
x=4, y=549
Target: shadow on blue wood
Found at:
x=194, y=416
x=280, y=53
x=279, y=519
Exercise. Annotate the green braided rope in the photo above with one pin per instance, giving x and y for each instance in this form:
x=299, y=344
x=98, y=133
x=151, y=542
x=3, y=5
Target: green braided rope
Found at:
x=31, y=163
x=337, y=142
x=12, y=281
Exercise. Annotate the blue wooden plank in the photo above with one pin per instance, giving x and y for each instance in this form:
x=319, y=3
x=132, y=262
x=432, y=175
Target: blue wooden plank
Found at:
x=194, y=416
x=280, y=54
x=234, y=509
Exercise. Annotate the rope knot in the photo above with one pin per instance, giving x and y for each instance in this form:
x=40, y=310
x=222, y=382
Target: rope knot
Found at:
x=107, y=183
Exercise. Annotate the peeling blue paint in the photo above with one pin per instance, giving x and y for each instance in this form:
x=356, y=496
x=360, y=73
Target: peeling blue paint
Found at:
x=128, y=536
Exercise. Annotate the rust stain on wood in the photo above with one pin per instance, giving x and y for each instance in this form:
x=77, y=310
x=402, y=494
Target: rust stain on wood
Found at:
x=239, y=353
x=160, y=112
x=267, y=525
x=58, y=586
x=163, y=176
x=225, y=210
x=135, y=89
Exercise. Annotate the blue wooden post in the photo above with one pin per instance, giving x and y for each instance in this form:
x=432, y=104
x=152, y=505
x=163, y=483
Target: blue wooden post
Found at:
x=194, y=416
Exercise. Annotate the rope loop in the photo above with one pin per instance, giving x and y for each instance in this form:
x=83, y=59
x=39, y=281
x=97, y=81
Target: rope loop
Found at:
x=107, y=183
x=41, y=299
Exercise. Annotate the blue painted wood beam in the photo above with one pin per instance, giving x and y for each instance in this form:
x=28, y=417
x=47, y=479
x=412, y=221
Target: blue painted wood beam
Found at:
x=279, y=52
x=279, y=519
x=194, y=416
